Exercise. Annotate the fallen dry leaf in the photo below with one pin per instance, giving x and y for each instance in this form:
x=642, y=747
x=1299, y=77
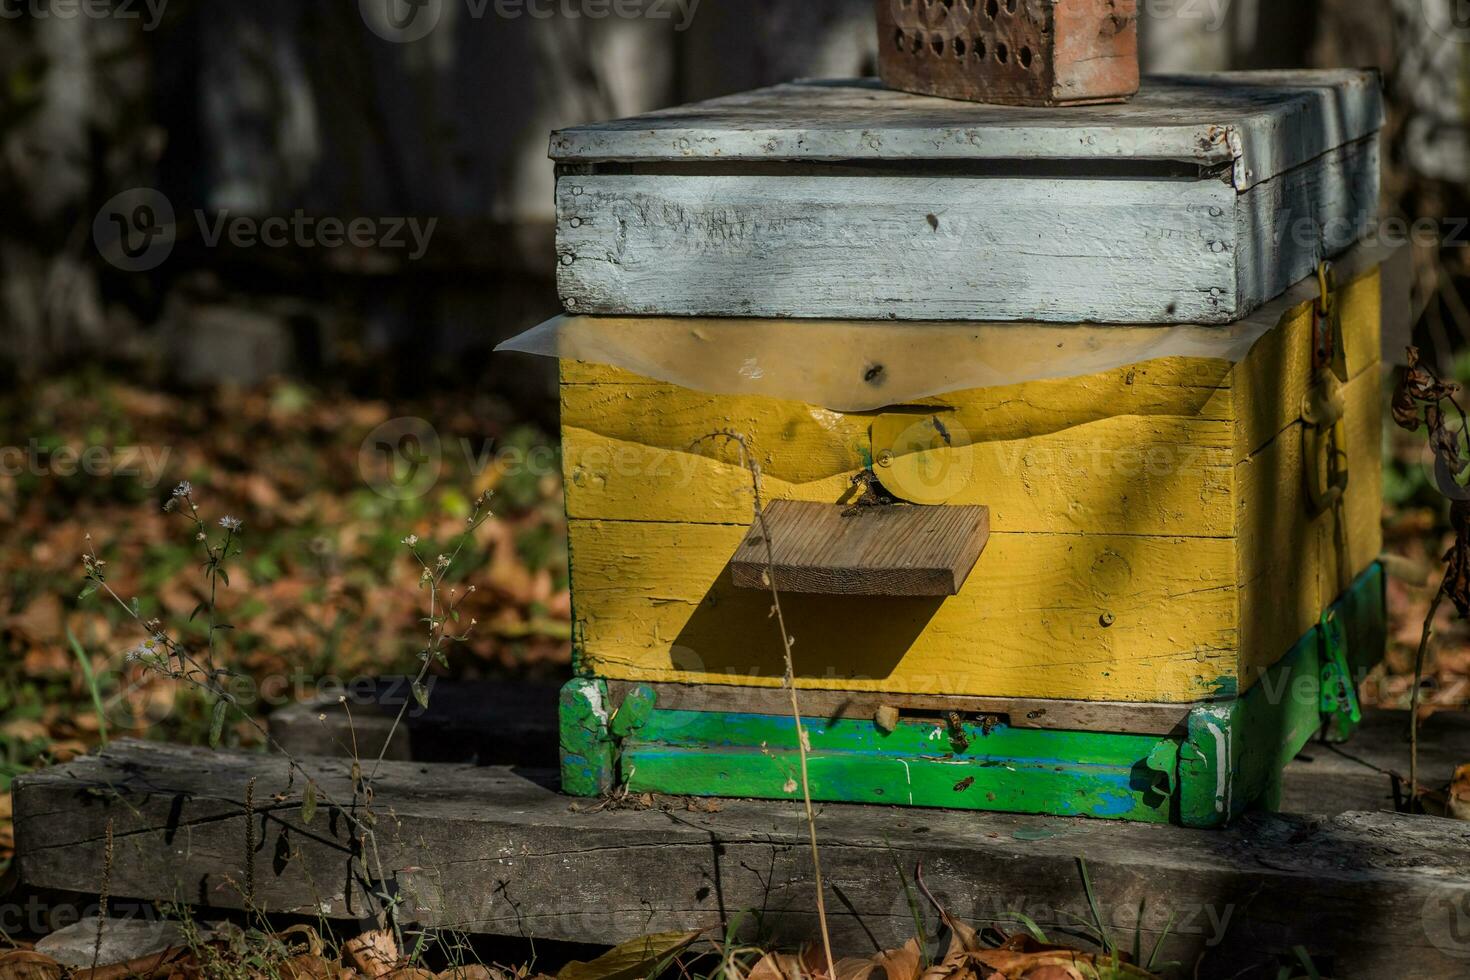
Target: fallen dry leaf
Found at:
x=1023, y=958
x=374, y=954
x=25, y=729
x=905, y=963
x=631, y=960
x=1459, y=800
x=24, y=964
x=307, y=967
x=40, y=622
x=411, y=973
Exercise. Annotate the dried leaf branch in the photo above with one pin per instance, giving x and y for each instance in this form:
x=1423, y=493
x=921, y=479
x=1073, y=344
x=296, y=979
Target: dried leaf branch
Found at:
x=169, y=656
x=1419, y=400
x=802, y=745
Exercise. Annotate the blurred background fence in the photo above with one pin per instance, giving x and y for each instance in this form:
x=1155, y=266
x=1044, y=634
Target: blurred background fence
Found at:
x=267, y=107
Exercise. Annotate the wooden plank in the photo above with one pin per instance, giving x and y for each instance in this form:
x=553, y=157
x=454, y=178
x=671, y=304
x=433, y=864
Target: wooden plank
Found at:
x=1085, y=617
x=636, y=453
x=955, y=247
x=1290, y=223
x=473, y=722
x=1055, y=249
x=492, y=851
x=1358, y=775
x=1265, y=123
x=1271, y=383
x=826, y=549
x=1311, y=559
x=1139, y=718
x=1015, y=770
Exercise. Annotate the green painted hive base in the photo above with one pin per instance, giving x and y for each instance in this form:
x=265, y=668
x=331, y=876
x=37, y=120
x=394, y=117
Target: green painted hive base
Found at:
x=1227, y=757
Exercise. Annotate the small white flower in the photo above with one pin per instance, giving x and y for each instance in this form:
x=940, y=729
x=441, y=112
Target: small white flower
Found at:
x=411, y=540
x=184, y=489
x=230, y=523
x=442, y=561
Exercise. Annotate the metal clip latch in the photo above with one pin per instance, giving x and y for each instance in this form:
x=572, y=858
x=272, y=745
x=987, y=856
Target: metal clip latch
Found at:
x=1324, y=436
x=1338, y=696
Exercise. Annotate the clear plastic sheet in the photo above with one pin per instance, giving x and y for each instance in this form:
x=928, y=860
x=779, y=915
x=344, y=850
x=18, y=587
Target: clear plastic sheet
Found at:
x=858, y=366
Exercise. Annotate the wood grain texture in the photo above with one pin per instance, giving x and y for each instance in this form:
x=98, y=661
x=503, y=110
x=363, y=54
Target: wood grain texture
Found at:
x=1183, y=460
x=1288, y=224
x=1128, y=241
x=936, y=247
x=495, y=851
x=901, y=247
x=1043, y=462
x=478, y=723
x=654, y=602
x=1261, y=123
x=827, y=549
x=1106, y=776
x=1306, y=559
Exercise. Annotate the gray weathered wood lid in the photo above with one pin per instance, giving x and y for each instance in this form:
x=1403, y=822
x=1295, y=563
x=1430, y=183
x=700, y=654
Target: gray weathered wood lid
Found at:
x=1262, y=123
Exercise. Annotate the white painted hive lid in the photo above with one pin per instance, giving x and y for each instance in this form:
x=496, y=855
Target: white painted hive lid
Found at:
x=1263, y=124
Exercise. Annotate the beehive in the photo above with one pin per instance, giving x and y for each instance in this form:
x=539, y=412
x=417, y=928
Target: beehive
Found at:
x=1181, y=557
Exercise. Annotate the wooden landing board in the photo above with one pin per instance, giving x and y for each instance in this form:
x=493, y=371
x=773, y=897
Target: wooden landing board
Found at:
x=492, y=850
x=829, y=549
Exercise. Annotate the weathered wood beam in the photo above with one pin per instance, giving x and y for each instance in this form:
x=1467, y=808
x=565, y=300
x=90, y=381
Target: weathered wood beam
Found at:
x=498, y=851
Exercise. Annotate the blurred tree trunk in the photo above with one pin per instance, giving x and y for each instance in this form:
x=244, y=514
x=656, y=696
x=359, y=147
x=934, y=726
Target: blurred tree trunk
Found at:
x=73, y=85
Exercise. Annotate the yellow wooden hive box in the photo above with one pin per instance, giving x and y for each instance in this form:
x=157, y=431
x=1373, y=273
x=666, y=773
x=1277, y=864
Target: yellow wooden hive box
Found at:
x=1152, y=533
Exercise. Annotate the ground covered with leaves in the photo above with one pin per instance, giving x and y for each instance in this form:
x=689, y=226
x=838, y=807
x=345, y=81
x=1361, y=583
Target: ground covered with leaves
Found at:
x=324, y=592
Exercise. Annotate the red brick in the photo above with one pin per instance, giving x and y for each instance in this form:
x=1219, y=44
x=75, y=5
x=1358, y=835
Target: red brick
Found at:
x=1014, y=52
